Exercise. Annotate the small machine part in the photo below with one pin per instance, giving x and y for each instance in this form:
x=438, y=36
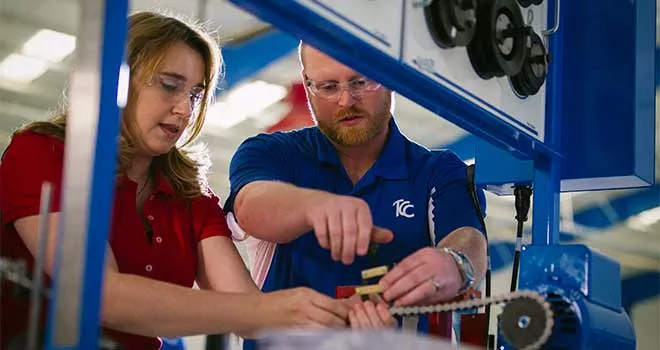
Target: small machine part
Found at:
x=524, y=323
x=528, y=3
x=374, y=272
x=498, y=47
x=451, y=22
x=535, y=67
x=370, y=289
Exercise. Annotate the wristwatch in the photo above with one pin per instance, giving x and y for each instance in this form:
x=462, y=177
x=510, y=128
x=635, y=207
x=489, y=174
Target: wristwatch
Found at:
x=465, y=268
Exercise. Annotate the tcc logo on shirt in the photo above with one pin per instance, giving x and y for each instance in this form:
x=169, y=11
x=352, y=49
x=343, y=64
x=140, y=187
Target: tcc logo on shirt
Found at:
x=403, y=208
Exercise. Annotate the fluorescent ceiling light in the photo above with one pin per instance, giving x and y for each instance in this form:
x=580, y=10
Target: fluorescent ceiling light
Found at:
x=21, y=68
x=644, y=220
x=245, y=101
x=49, y=45
x=256, y=96
x=221, y=114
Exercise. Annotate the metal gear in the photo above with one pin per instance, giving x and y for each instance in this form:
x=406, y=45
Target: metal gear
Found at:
x=525, y=323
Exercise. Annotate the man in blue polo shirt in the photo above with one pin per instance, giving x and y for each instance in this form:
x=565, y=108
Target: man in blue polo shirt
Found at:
x=313, y=200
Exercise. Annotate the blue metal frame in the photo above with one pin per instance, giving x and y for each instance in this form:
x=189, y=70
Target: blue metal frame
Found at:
x=547, y=170
x=114, y=29
x=317, y=31
x=113, y=51
x=248, y=58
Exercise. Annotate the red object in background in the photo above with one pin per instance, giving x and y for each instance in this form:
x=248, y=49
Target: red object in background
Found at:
x=299, y=116
x=473, y=329
x=440, y=324
x=344, y=292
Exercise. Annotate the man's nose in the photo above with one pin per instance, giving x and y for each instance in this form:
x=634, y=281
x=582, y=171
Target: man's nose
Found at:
x=345, y=98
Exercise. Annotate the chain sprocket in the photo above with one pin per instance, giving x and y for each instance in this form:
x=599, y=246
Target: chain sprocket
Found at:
x=524, y=300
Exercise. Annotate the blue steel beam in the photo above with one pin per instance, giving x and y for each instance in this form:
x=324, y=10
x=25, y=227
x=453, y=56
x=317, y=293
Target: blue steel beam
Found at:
x=250, y=57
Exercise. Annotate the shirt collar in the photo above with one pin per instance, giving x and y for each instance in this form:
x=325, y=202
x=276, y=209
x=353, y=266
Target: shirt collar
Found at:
x=391, y=163
x=161, y=183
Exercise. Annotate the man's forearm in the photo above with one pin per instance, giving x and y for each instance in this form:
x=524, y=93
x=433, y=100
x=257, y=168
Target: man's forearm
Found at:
x=274, y=211
x=472, y=243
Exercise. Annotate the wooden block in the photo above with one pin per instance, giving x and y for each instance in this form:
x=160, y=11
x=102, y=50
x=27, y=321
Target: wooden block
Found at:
x=371, y=289
x=374, y=272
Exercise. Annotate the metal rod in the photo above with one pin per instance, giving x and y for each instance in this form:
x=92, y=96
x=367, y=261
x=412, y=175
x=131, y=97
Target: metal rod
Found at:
x=38, y=268
x=555, y=25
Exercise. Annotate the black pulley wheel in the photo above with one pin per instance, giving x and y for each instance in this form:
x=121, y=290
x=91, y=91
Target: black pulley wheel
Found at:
x=528, y=3
x=498, y=48
x=534, y=70
x=451, y=22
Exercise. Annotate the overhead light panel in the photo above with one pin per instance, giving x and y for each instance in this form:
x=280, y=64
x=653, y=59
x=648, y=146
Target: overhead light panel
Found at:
x=49, y=45
x=21, y=68
x=243, y=102
x=644, y=220
x=255, y=96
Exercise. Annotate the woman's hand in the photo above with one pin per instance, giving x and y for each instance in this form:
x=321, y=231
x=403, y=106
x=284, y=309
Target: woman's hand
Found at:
x=302, y=307
x=370, y=314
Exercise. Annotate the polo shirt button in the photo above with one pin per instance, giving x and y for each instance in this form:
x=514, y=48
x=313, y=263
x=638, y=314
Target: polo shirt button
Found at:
x=148, y=268
x=159, y=239
x=150, y=218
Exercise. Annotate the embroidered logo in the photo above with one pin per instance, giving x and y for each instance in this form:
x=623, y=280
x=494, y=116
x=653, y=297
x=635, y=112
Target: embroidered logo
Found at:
x=403, y=208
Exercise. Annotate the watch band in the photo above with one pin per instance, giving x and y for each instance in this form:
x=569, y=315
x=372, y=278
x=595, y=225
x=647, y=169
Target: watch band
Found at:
x=465, y=268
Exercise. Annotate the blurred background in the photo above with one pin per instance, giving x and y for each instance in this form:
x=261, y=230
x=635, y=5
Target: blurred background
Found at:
x=262, y=92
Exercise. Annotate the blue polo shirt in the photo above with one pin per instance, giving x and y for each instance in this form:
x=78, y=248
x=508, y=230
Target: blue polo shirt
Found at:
x=420, y=195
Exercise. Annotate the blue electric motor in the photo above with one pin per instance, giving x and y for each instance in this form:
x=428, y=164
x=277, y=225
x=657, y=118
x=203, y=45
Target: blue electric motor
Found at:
x=583, y=288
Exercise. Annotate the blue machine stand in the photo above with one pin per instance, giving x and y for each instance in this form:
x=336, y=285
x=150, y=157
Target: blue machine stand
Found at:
x=583, y=289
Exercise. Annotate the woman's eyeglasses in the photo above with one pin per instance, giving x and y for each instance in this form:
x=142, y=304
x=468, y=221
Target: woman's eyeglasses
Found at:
x=173, y=88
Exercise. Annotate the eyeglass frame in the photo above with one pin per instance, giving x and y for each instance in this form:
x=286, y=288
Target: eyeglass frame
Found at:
x=312, y=85
x=195, y=94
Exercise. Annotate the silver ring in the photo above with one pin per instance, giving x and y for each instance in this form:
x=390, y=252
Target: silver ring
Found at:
x=436, y=285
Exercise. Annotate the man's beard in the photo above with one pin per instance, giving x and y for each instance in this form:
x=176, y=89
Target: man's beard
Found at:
x=354, y=135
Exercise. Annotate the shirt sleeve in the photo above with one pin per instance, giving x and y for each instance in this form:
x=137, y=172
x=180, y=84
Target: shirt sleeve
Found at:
x=210, y=220
x=451, y=203
x=30, y=160
x=260, y=158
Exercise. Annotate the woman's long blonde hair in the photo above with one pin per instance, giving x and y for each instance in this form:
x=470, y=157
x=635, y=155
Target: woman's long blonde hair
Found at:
x=150, y=35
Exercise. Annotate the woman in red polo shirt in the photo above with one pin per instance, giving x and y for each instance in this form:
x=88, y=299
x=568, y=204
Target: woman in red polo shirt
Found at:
x=168, y=229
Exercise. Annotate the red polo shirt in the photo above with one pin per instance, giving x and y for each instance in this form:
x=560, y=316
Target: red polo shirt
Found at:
x=177, y=227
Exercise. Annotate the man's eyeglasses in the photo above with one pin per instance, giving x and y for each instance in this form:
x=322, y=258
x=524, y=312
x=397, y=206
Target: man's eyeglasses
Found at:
x=174, y=89
x=331, y=90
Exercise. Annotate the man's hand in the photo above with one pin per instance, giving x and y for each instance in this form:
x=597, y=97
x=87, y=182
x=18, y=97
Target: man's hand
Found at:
x=344, y=225
x=302, y=307
x=425, y=277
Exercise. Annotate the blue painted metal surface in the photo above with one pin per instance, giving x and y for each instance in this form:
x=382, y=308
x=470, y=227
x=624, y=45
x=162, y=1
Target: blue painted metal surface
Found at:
x=608, y=105
x=105, y=160
x=114, y=29
x=584, y=290
x=547, y=170
x=298, y=20
x=245, y=59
